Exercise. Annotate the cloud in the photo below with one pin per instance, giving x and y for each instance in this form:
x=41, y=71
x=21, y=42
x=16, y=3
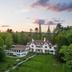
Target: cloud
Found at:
x=50, y=23
x=60, y=7
x=43, y=22
x=42, y=3
x=39, y=21
x=53, y=6
x=5, y=26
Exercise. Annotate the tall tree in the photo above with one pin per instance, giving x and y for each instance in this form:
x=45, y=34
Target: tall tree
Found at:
x=58, y=28
x=31, y=33
x=40, y=22
x=36, y=34
x=36, y=30
x=2, y=53
x=1, y=42
x=9, y=40
x=49, y=33
x=67, y=56
x=9, y=30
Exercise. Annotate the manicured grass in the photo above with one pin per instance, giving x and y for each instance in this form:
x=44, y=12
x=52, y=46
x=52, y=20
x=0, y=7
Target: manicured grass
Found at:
x=41, y=63
x=7, y=63
x=10, y=62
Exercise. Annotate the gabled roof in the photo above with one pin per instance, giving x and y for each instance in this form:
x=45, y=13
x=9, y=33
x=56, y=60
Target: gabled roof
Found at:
x=18, y=47
x=39, y=42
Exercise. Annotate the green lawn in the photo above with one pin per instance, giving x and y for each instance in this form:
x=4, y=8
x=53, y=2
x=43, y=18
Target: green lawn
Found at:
x=10, y=61
x=41, y=63
x=7, y=63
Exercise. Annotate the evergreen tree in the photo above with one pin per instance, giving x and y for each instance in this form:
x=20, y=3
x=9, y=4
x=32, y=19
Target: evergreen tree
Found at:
x=9, y=40
x=2, y=53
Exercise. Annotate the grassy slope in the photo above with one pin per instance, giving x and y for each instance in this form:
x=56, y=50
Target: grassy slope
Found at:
x=8, y=63
x=41, y=63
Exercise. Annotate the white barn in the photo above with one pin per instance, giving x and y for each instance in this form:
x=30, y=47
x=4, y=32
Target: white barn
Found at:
x=42, y=46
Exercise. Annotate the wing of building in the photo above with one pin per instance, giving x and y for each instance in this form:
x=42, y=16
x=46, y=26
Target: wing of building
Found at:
x=18, y=50
x=42, y=46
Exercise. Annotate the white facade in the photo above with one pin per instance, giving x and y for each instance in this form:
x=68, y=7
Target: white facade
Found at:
x=37, y=46
x=42, y=47
x=17, y=52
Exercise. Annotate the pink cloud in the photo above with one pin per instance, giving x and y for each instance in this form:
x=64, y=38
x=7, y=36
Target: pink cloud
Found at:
x=54, y=7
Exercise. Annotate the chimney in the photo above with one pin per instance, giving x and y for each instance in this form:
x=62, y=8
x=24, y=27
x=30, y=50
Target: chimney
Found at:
x=32, y=40
x=44, y=39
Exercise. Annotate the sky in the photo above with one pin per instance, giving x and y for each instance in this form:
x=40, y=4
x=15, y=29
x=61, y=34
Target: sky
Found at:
x=22, y=14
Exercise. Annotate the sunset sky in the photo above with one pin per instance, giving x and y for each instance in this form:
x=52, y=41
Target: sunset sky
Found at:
x=21, y=14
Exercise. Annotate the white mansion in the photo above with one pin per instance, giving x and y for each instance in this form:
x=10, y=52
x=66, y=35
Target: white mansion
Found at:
x=36, y=46
x=42, y=46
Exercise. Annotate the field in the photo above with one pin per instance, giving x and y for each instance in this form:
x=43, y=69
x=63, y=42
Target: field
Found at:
x=41, y=63
x=10, y=62
x=7, y=63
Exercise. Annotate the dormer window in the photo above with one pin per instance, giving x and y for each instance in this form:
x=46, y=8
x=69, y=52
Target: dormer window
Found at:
x=54, y=47
x=45, y=46
x=32, y=46
x=50, y=47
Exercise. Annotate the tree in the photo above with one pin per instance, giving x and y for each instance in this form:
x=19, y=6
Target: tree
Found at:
x=58, y=28
x=62, y=37
x=9, y=30
x=1, y=42
x=24, y=38
x=31, y=32
x=39, y=22
x=36, y=30
x=9, y=40
x=49, y=34
x=67, y=56
x=68, y=52
x=2, y=53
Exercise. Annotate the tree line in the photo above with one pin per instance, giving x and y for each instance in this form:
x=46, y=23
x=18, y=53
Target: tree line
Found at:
x=63, y=38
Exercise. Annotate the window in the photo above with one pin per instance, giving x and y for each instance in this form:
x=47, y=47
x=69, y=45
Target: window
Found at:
x=54, y=47
x=50, y=47
x=45, y=46
x=39, y=46
x=19, y=50
x=46, y=51
x=18, y=54
x=39, y=50
x=51, y=51
x=32, y=46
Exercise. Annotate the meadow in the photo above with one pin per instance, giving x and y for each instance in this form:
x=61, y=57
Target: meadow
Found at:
x=41, y=63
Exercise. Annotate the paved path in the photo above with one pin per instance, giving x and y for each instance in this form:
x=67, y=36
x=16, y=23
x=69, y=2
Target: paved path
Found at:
x=15, y=66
